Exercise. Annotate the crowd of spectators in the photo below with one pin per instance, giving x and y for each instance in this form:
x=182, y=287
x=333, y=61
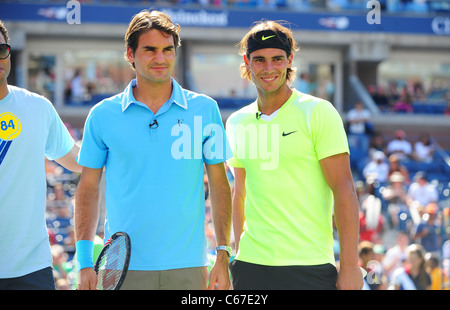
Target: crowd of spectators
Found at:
x=396, y=202
x=404, y=190
x=410, y=98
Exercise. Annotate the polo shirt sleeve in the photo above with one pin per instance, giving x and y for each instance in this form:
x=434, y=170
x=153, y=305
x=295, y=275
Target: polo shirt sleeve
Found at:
x=327, y=130
x=59, y=141
x=216, y=148
x=93, y=150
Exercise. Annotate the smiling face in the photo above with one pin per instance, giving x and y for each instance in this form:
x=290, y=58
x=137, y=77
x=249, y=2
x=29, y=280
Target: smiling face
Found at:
x=268, y=68
x=154, y=58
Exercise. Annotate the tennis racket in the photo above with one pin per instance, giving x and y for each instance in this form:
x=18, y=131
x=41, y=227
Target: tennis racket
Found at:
x=112, y=264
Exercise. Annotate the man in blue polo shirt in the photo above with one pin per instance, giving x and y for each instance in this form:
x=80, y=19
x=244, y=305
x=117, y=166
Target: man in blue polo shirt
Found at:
x=153, y=140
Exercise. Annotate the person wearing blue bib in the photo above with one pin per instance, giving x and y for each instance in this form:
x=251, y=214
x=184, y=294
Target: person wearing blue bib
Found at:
x=30, y=131
x=153, y=141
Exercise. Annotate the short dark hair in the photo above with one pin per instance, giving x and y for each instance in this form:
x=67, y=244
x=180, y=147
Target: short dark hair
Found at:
x=147, y=20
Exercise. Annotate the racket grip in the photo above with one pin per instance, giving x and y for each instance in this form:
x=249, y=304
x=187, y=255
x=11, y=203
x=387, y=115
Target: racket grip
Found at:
x=85, y=253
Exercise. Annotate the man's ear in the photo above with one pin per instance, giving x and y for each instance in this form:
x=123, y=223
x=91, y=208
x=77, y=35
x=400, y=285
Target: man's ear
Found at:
x=246, y=60
x=290, y=59
x=130, y=54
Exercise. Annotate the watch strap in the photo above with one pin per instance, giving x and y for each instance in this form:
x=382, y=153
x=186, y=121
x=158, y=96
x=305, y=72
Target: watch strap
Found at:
x=224, y=248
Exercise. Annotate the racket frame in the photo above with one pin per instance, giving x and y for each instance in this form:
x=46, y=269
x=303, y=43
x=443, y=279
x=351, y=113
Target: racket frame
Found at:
x=127, y=256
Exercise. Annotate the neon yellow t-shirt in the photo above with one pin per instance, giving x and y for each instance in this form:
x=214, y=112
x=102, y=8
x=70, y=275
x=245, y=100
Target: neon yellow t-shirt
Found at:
x=288, y=203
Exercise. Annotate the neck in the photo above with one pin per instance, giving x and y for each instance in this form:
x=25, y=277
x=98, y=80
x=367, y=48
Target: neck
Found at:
x=270, y=102
x=3, y=90
x=152, y=94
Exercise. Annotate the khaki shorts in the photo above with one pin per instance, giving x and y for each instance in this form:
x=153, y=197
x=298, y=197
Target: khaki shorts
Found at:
x=174, y=279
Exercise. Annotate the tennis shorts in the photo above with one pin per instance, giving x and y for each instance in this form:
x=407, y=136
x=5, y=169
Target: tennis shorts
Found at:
x=174, y=279
x=248, y=276
x=39, y=280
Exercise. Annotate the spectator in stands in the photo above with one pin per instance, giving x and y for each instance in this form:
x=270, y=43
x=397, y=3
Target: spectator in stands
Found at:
x=358, y=119
x=400, y=146
x=418, y=91
x=413, y=275
x=429, y=233
x=446, y=226
x=302, y=84
x=365, y=250
x=447, y=109
x=359, y=127
x=396, y=255
x=31, y=130
x=380, y=98
x=377, y=266
x=396, y=196
x=371, y=219
x=437, y=275
x=78, y=87
x=396, y=166
x=404, y=104
x=423, y=150
x=361, y=191
x=244, y=3
x=446, y=258
x=392, y=92
x=369, y=263
x=267, y=4
x=377, y=143
x=422, y=191
x=377, y=168
x=61, y=268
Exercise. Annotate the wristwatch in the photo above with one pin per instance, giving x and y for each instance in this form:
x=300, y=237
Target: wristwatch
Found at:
x=224, y=248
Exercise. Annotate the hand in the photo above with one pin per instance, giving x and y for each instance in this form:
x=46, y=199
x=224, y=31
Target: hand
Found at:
x=350, y=278
x=219, y=277
x=87, y=279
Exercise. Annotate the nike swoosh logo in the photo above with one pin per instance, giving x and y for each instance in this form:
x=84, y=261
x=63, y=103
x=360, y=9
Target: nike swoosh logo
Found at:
x=287, y=134
x=265, y=38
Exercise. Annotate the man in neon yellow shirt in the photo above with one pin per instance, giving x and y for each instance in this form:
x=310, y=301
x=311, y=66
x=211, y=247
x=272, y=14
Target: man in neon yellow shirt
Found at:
x=291, y=164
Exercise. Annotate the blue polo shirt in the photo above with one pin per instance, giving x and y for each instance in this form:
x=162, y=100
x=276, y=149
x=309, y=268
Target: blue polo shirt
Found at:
x=154, y=174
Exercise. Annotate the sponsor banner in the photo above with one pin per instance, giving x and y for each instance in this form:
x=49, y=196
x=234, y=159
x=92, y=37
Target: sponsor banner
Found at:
x=313, y=21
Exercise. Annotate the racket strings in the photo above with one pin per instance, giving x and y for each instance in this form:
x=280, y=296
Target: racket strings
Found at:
x=112, y=264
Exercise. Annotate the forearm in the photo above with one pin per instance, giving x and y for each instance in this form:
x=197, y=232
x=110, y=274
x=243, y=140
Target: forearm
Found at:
x=86, y=211
x=238, y=218
x=239, y=194
x=220, y=194
x=336, y=170
x=347, y=222
x=68, y=161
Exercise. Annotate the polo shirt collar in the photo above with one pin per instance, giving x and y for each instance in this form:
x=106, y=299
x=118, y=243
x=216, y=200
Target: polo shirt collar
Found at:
x=178, y=97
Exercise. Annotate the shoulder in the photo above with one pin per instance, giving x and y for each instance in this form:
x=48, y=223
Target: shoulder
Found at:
x=196, y=100
x=243, y=113
x=188, y=98
x=310, y=105
x=113, y=103
x=192, y=95
x=29, y=97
